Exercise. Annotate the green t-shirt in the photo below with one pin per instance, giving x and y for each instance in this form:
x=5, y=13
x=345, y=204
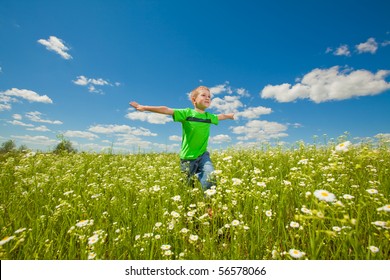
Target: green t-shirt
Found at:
x=196, y=131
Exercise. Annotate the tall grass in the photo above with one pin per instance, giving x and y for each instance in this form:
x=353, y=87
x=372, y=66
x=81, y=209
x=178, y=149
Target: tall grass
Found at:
x=307, y=202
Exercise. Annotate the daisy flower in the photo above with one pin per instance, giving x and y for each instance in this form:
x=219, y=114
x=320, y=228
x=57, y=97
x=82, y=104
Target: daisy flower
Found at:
x=193, y=237
x=372, y=191
x=235, y=223
x=93, y=239
x=268, y=213
x=373, y=249
x=165, y=247
x=343, y=147
x=385, y=208
x=294, y=225
x=296, y=254
x=210, y=192
x=6, y=239
x=84, y=223
x=324, y=195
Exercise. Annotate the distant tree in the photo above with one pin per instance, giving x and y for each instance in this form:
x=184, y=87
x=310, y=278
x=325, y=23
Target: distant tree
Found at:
x=64, y=146
x=8, y=146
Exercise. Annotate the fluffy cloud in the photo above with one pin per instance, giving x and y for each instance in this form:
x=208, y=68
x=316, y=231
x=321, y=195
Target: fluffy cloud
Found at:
x=149, y=117
x=56, y=45
x=121, y=130
x=260, y=130
x=322, y=85
x=80, y=134
x=370, y=46
x=221, y=138
x=253, y=112
x=91, y=83
x=14, y=95
x=227, y=104
x=36, y=117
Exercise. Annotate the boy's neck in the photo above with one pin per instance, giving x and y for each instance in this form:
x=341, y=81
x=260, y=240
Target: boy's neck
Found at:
x=199, y=110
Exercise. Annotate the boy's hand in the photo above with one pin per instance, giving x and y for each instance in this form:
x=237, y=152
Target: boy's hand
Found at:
x=136, y=106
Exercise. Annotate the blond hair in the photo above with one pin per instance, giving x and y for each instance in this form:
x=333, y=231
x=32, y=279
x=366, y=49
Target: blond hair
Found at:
x=194, y=94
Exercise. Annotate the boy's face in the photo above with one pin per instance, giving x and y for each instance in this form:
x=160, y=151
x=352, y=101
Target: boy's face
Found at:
x=203, y=100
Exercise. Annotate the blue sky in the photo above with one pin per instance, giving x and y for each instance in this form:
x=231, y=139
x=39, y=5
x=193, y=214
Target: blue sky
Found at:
x=290, y=70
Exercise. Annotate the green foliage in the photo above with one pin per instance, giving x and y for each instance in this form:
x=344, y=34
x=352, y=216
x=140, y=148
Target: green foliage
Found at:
x=65, y=146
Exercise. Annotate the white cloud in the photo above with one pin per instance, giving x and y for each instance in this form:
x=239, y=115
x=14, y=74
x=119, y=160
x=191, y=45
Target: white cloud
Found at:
x=260, y=130
x=19, y=123
x=330, y=84
x=121, y=130
x=343, y=50
x=36, y=117
x=370, y=46
x=17, y=117
x=227, y=104
x=41, y=128
x=80, y=134
x=56, y=45
x=175, y=138
x=91, y=83
x=26, y=94
x=253, y=112
x=223, y=88
x=35, y=140
x=149, y=117
x=221, y=138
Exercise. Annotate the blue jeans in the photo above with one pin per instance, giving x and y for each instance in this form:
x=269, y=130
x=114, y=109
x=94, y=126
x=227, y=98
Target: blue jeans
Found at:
x=202, y=168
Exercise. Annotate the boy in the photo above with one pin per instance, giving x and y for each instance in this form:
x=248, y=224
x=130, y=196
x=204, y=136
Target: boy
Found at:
x=194, y=157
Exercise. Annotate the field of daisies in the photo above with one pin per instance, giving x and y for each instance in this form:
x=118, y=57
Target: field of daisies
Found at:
x=318, y=202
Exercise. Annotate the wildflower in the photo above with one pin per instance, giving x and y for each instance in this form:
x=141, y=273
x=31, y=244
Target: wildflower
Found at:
x=373, y=249
x=385, y=208
x=348, y=196
x=296, y=254
x=306, y=211
x=91, y=255
x=165, y=247
x=168, y=253
x=84, y=223
x=227, y=158
x=236, y=181
x=93, y=239
x=324, y=195
x=184, y=230
x=307, y=194
x=294, y=225
x=210, y=192
x=193, y=237
x=20, y=230
x=268, y=213
x=157, y=236
x=343, y=147
x=191, y=213
x=176, y=198
x=174, y=214
x=158, y=224
x=235, y=223
x=380, y=224
x=372, y=191
x=336, y=228
x=6, y=239
x=303, y=161
x=274, y=254
x=261, y=184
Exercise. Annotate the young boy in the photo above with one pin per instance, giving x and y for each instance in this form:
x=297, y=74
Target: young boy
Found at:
x=194, y=157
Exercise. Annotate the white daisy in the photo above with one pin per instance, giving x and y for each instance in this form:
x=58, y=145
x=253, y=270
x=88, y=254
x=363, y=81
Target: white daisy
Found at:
x=343, y=147
x=296, y=254
x=324, y=195
x=373, y=249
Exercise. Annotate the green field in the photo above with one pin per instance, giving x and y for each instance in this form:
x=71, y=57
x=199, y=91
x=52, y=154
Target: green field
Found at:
x=304, y=202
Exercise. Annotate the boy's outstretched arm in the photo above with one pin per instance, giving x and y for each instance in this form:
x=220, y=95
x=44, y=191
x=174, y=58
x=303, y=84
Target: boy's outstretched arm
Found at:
x=222, y=117
x=155, y=109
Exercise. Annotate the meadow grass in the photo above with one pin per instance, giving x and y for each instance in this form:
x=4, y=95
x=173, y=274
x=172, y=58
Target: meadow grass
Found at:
x=305, y=202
